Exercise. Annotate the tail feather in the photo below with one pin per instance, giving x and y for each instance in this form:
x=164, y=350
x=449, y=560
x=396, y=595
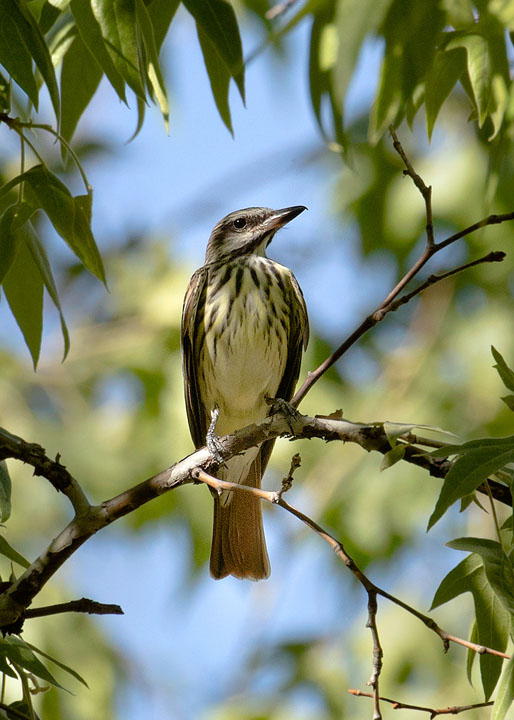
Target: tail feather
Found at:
x=238, y=542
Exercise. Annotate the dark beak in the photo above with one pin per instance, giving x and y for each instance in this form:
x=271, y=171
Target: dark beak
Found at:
x=279, y=218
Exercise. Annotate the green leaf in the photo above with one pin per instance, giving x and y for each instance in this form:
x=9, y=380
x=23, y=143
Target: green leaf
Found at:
x=155, y=80
x=509, y=401
x=389, y=97
x=6, y=668
x=5, y=492
x=355, y=20
x=7, y=550
x=91, y=34
x=40, y=258
x=15, y=649
x=37, y=47
x=459, y=580
x=70, y=216
x=161, y=14
x=5, y=94
x=498, y=567
x=80, y=77
x=479, y=69
x=505, y=694
x=392, y=457
x=218, y=21
x=493, y=620
x=504, y=11
x=8, y=240
x=117, y=20
x=219, y=77
x=479, y=459
x=23, y=289
x=471, y=654
x=447, y=67
x=60, y=664
x=504, y=371
x=15, y=53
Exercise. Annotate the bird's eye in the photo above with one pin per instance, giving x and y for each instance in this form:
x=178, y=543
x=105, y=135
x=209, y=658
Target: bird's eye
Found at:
x=239, y=223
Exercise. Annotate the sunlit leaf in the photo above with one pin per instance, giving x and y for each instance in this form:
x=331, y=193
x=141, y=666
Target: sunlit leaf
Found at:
x=91, y=34
x=154, y=76
x=15, y=54
x=392, y=457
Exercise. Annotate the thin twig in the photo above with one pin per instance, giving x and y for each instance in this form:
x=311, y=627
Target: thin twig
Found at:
x=339, y=549
x=279, y=9
x=391, y=303
x=455, y=710
x=84, y=605
x=377, y=653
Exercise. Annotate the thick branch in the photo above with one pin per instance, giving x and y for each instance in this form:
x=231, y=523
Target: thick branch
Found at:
x=284, y=423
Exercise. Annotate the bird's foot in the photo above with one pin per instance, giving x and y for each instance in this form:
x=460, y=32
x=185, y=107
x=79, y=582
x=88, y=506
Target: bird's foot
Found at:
x=290, y=413
x=214, y=445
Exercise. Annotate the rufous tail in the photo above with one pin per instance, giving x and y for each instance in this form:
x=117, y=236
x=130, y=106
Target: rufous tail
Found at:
x=238, y=543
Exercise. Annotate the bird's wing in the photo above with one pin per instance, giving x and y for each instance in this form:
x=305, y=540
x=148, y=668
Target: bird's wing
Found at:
x=298, y=339
x=192, y=340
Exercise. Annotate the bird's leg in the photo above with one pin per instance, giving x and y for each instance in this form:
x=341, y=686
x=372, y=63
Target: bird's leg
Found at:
x=278, y=405
x=212, y=441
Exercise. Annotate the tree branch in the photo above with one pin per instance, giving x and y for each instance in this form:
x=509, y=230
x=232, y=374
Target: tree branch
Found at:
x=391, y=303
x=20, y=594
x=455, y=710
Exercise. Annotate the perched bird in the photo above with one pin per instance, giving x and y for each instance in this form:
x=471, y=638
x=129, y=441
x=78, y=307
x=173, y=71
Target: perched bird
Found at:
x=244, y=325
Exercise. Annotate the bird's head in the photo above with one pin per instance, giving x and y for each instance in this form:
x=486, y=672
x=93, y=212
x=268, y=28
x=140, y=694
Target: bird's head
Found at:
x=247, y=232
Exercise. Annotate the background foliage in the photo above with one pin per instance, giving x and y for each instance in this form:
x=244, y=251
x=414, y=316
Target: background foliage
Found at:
x=114, y=408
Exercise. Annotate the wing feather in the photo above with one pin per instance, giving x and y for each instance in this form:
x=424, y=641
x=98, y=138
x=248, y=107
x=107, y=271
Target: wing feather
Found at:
x=192, y=339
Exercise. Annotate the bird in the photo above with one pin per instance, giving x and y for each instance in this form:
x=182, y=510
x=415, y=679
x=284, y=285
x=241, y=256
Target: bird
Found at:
x=244, y=327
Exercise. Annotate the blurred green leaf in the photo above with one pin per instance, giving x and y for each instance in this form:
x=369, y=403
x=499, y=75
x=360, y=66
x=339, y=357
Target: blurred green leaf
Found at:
x=80, y=77
x=5, y=492
x=218, y=21
x=504, y=11
x=7, y=550
x=505, y=694
x=479, y=69
x=479, y=459
x=445, y=71
x=5, y=94
x=471, y=654
x=509, y=401
x=23, y=289
x=15, y=649
x=504, y=371
x=60, y=664
x=91, y=34
x=389, y=97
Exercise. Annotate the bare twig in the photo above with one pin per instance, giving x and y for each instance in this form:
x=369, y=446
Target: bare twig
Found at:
x=339, y=549
x=391, y=303
x=377, y=653
x=455, y=710
x=84, y=605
